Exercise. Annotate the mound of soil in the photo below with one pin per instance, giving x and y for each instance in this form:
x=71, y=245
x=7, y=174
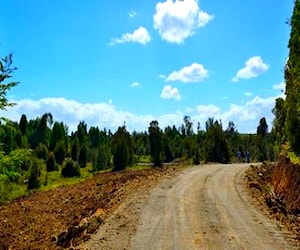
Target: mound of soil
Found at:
x=261, y=183
x=67, y=216
x=286, y=183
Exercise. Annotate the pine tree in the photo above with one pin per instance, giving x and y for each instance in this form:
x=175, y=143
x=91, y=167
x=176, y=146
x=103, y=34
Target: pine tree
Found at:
x=83, y=156
x=75, y=149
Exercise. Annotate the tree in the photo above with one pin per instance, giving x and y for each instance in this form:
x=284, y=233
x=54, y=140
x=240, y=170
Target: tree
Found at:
x=81, y=131
x=59, y=133
x=83, y=156
x=8, y=139
x=122, y=149
x=51, y=163
x=156, y=143
x=23, y=124
x=33, y=181
x=216, y=145
x=232, y=136
x=60, y=152
x=101, y=160
x=188, y=125
x=6, y=71
x=292, y=79
x=42, y=132
x=262, y=128
x=94, y=137
x=279, y=124
x=75, y=149
x=41, y=151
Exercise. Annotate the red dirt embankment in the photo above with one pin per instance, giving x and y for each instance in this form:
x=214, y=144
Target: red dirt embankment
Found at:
x=286, y=184
x=276, y=189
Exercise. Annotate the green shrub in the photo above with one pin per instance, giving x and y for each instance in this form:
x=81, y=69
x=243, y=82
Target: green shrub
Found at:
x=41, y=151
x=70, y=169
x=34, y=171
x=60, y=152
x=51, y=163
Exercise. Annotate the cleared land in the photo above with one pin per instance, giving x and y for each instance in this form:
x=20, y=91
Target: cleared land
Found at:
x=200, y=207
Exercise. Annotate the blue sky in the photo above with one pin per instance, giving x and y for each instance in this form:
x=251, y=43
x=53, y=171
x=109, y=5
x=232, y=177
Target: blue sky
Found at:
x=110, y=62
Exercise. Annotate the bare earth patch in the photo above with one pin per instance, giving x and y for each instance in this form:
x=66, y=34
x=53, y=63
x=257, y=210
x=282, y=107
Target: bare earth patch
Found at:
x=68, y=216
x=258, y=183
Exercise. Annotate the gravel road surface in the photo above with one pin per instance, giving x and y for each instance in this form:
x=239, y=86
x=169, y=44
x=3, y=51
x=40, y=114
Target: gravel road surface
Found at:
x=203, y=207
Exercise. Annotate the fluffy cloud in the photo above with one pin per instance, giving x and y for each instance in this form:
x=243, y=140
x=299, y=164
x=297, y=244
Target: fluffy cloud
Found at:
x=141, y=35
x=189, y=74
x=168, y=93
x=106, y=115
x=71, y=112
x=206, y=111
x=177, y=20
x=253, y=67
x=135, y=84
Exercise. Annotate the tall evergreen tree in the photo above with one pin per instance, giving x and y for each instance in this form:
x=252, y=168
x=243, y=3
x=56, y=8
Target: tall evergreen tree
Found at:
x=292, y=79
x=23, y=124
x=156, y=143
x=122, y=149
x=83, y=156
x=59, y=133
x=75, y=149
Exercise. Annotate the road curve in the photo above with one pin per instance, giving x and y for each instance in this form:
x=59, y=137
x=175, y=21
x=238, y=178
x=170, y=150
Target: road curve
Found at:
x=205, y=208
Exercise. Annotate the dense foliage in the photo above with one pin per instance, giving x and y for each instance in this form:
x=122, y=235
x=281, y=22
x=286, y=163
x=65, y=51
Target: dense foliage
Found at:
x=286, y=128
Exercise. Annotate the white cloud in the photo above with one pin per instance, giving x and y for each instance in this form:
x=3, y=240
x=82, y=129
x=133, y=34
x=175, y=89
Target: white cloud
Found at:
x=254, y=66
x=132, y=14
x=106, y=115
x=135, y=84
x=206, y=111
x=141, y=35
x=248, y=94
x=179, y=19
x=280, y=86
x=168, y=93
x=189, y=74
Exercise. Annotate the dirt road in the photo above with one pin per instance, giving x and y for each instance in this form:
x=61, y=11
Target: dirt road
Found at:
x=204, y=207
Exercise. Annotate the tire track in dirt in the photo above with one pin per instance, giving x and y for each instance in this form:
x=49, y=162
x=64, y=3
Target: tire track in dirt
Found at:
x=203, y=207
x=206, y=209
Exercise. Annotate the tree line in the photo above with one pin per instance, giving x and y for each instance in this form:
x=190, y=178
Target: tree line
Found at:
x=30, y=146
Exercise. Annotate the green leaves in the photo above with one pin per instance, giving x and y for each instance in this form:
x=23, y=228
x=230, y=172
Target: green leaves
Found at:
x=11, y=164
x=6, y=70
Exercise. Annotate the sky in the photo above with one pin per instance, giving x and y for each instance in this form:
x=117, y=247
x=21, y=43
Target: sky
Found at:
x=114, y=62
